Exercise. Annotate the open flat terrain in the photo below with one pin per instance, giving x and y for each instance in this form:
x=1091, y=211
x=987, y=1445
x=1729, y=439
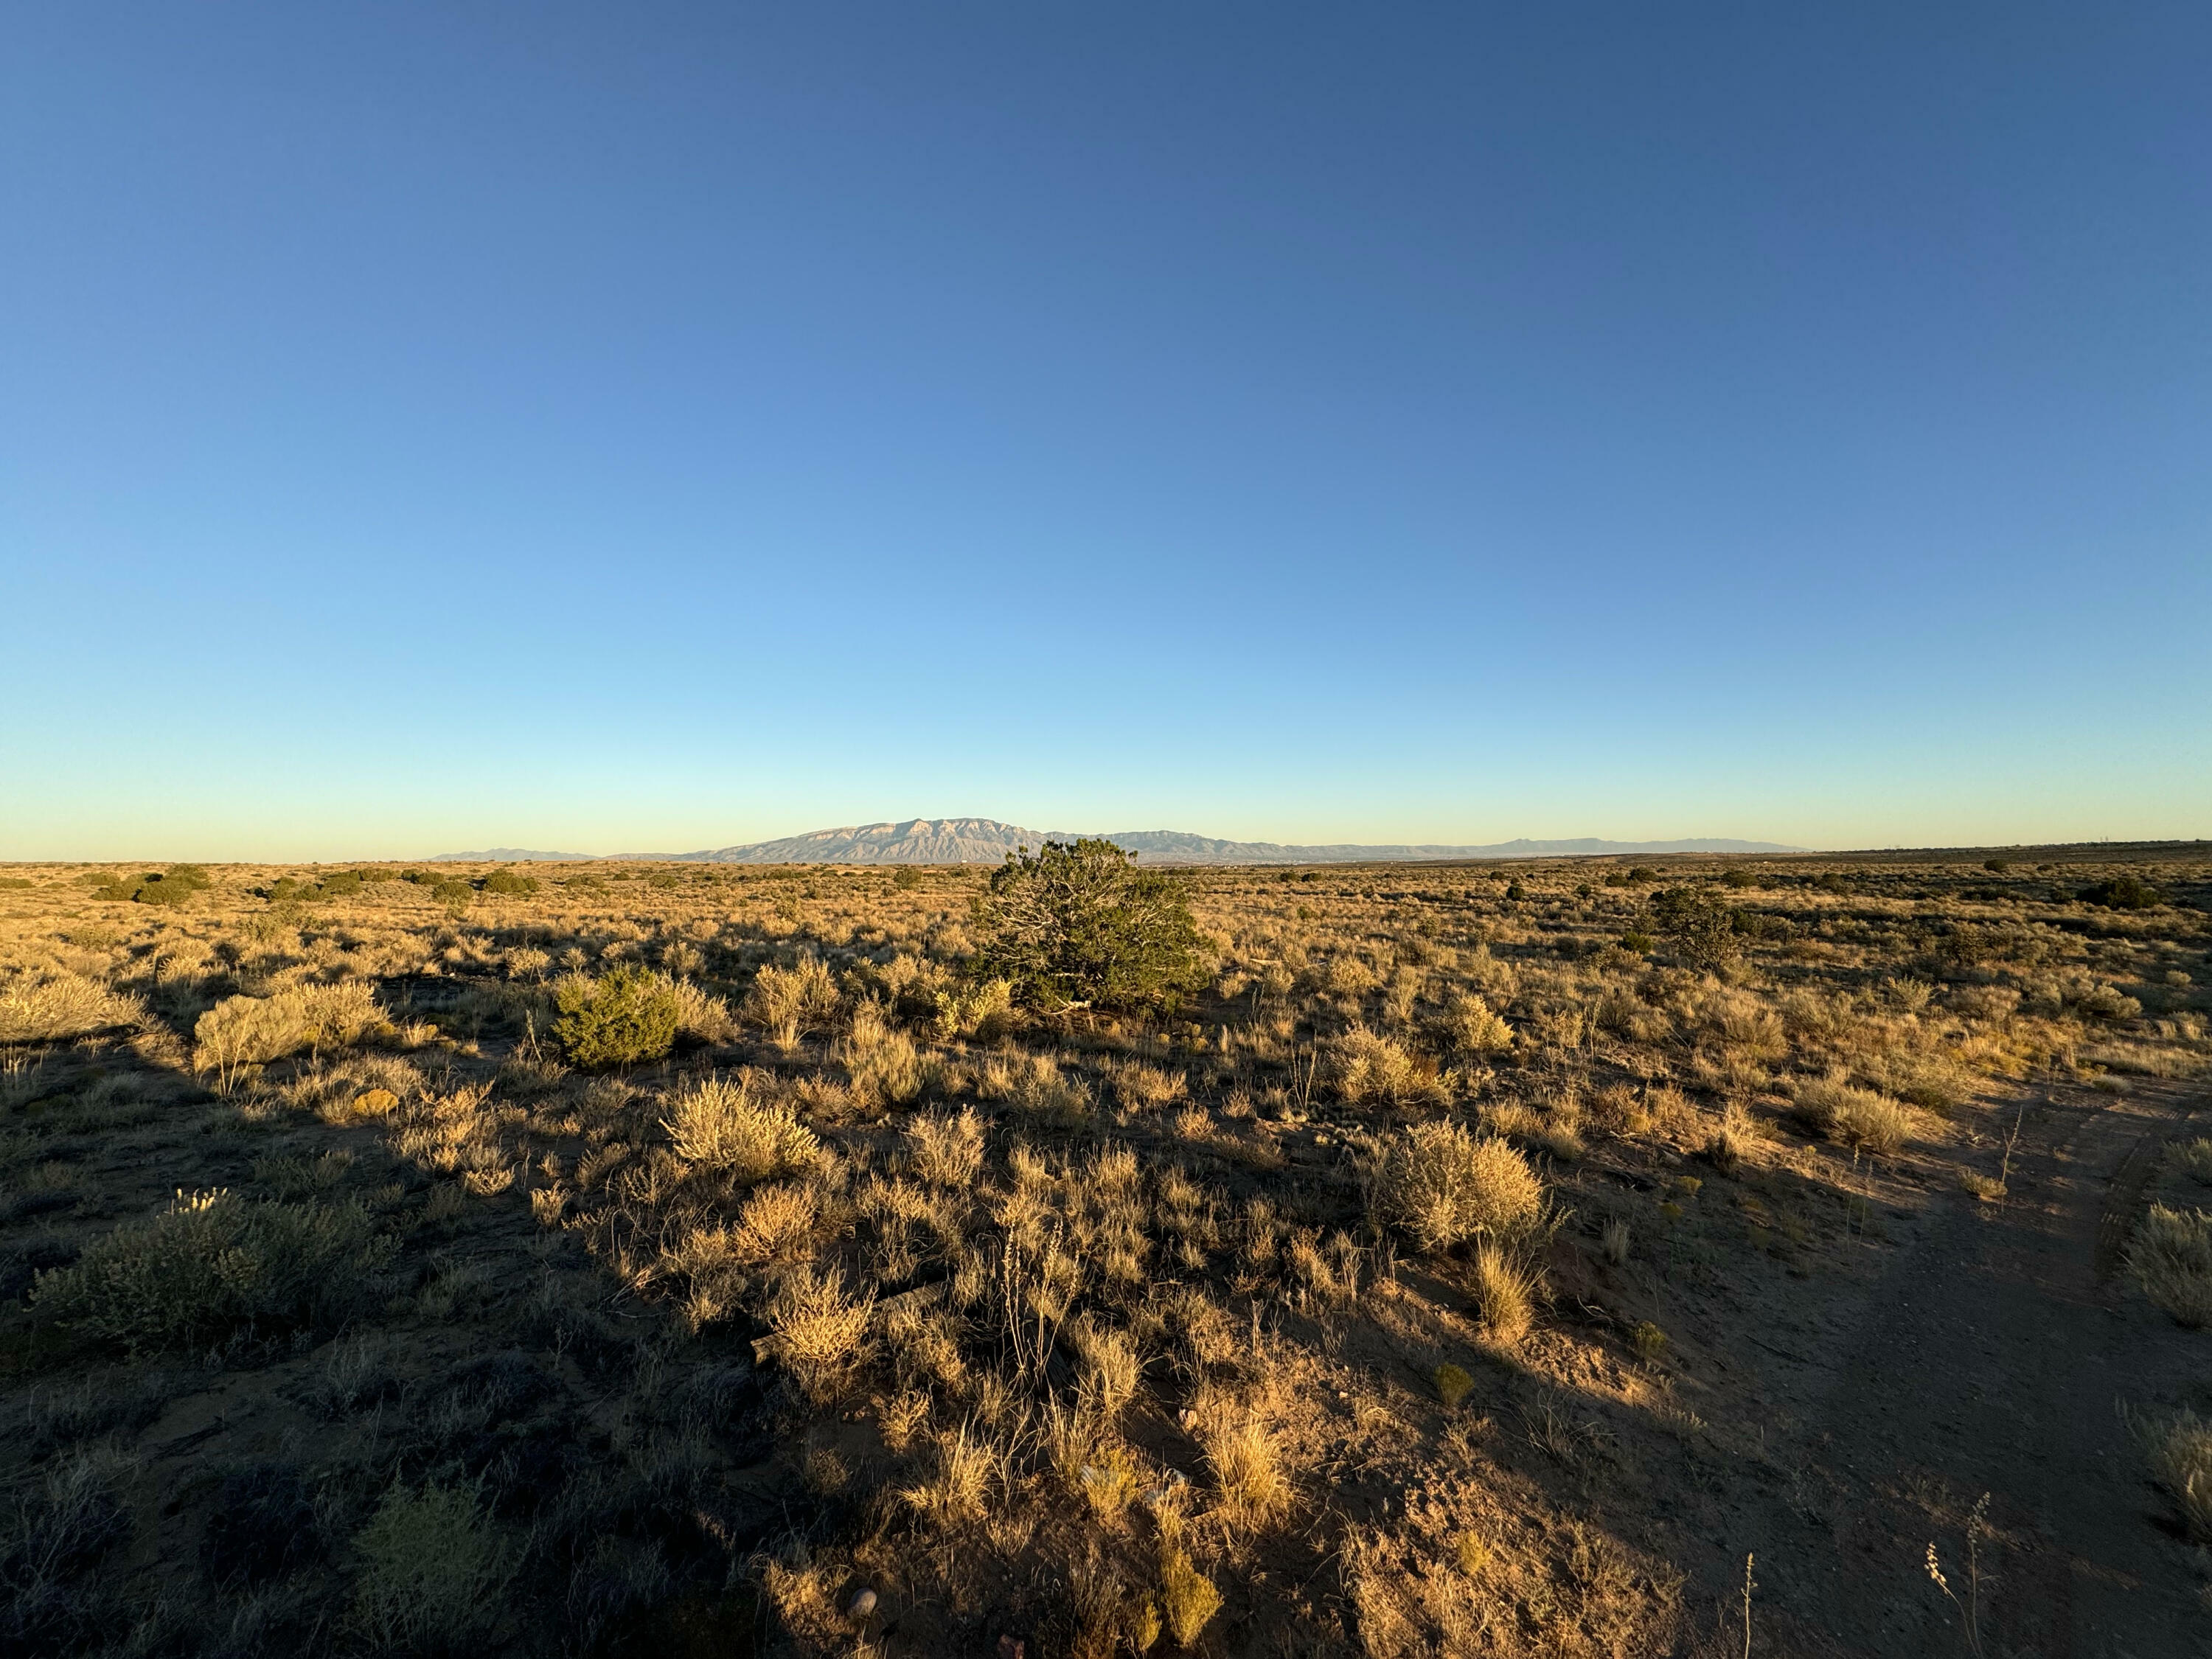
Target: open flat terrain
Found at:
x=1487, y=1260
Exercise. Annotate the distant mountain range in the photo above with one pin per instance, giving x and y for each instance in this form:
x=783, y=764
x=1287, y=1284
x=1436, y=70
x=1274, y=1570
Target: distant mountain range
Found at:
x=986, y=840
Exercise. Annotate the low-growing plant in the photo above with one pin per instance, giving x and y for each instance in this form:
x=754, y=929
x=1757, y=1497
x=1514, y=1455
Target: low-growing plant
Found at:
x=2171, y=1260
x=1370, y=1067
x=212, y=1263
x=432, y=1565
x=2180, y=1451
x=819, y=1332
x=1856, y=1117
x=1505, y=1292
x=1188, y=1599
x=1471, y=1028
x=47, y=1007
x=718, y=1123
x=1442, y=1187
x=787, y=1002
x=244, y=1031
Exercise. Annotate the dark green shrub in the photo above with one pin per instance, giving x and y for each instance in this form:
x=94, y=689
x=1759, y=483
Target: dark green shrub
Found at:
x=506, y=881
x=906, y=878
x=171, y=887
x=1080, y=925
x=1697, y=924
x=660, y=878
x=339, y=883
x=2124, y=892
x=1997, y=867
x=213, y=1263
x=453, y=894
x=1740, y=880
x=630, y=1015
x=1641, y=943
x=16, y=881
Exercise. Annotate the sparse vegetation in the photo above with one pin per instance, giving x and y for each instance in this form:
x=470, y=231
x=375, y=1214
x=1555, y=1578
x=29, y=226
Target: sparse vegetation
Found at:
x=538, y=1302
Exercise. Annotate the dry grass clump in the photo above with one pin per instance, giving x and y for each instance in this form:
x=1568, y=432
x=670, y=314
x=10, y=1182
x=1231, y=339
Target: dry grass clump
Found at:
x=1244, y=1456
x=886, y=1067
x=2181, y=1450
x=959, y=1474
x=818, y=1331
x=1506, y=1289
x=1145, y=1088
x=1033, y=1084
x=1370, y=1067
x=1856, y=1117
x=242, y=1030
x=944, y=1148
x=788, y=1002
x=52, y=1007
x=718, y=1124
x=1471, y=1028
x=1441, y=1187
x=2171, y=1260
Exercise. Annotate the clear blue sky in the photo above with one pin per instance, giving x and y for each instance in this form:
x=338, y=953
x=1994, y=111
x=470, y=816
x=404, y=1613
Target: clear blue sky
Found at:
x=654, y=426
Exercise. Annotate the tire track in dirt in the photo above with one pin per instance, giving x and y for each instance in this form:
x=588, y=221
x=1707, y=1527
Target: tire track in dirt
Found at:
x=1991, y=1358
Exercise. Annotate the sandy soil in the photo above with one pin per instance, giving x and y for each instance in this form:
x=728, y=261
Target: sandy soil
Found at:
x=1991, y=1354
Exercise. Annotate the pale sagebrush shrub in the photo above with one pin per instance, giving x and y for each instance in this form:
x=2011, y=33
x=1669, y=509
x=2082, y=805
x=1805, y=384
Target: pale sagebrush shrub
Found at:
x=718, y=1124
x=1470, y=1027
x=2194, y=1159
x=1441, y=1187
x=776, y=1222
x=2171, y=1260
x=244, y=1030
x=945, y=1150
x=52, y=1007
x=1370, y=1067
x=701, y=1015
x=1856, y=1117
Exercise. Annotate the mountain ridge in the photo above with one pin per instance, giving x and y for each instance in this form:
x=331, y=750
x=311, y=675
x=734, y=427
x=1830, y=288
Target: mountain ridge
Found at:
x=987, y=841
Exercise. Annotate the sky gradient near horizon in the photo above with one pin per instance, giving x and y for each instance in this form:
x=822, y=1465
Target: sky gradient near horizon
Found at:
x=649, y=427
